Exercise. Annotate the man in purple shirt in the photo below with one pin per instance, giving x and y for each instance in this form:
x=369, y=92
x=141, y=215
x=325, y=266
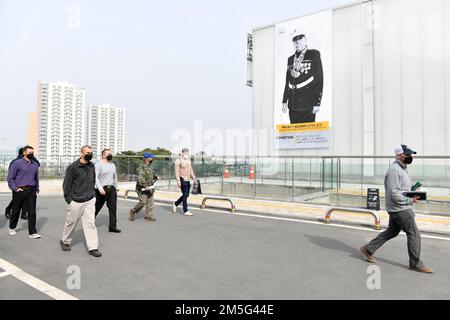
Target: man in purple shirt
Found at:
x=23, y=180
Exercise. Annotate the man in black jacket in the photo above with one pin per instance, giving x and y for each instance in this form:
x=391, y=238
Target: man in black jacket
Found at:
x=79, y=193
x=304, y=83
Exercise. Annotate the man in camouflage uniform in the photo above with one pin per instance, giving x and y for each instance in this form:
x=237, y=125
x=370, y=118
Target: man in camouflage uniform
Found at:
x=145, y=188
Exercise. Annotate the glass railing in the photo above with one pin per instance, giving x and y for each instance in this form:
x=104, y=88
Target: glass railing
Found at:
x=321, y=180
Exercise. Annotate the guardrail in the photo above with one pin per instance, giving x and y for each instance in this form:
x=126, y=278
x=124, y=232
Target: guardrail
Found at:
x=203, y=205
x=327, y=219
x=128, y=191
x=339, y=180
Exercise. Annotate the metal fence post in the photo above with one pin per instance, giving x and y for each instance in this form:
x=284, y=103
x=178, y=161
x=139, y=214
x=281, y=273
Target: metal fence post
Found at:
x=323, y=174
x=204, y=168
x=169, y=165
x=362, y=173
x=221, y=176
x=338, y=172
x=262, y=170
x=256, y=177
x=310, y=172
x=331, y=174
x=293, y=177
x=128, y=169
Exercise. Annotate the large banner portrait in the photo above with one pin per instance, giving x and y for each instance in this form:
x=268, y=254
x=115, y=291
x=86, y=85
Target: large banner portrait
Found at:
x=303, y=82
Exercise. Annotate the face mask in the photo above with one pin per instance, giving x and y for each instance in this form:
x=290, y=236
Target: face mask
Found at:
x=409, y=160
x=88, y=157
x=30, y=156
x=109, y=158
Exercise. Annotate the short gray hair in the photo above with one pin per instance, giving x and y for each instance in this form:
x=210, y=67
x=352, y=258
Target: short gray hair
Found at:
x=185, y=150
x=85, y=147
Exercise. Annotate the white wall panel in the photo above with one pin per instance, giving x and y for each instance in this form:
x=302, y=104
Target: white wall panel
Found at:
x=411, y=74
x=263, y=86
x=433, y=78
x=410, y=98
x=446, y=66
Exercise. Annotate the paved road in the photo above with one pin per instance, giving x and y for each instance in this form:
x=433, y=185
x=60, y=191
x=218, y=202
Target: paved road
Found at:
x=214, y=255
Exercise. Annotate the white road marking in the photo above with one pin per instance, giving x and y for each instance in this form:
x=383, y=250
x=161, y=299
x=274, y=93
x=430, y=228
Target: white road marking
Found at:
x=294, y=220
x=34, y=282
x=4, y=274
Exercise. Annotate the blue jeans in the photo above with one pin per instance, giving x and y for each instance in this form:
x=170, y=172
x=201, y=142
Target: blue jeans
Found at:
x=185, y=188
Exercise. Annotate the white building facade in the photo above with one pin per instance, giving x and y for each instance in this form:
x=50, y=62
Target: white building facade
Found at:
x=390, y=79
x=61, y=125
x=106, y=128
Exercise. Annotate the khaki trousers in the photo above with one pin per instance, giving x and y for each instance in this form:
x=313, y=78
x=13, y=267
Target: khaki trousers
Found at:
x=145, y=200
x=85, y=211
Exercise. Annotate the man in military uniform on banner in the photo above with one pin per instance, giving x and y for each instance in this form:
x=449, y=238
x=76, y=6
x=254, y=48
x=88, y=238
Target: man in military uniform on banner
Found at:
x=304, y=83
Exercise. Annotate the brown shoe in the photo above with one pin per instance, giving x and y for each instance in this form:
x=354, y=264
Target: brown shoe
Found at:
x=423, y=269
x=367, y=254
x=150, y=219
x=132, y=215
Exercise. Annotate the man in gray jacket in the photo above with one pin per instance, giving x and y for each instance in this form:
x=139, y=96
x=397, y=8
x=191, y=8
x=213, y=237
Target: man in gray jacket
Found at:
x=400, y=209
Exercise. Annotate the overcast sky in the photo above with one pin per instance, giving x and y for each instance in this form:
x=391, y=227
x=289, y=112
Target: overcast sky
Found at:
x=169, y=63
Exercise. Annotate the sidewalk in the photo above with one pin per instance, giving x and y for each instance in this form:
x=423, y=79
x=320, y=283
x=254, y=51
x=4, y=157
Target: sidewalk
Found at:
x=429, y=224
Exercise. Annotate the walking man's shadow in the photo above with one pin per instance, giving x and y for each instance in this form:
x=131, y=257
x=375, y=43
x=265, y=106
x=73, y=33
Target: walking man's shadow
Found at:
x=333, y=244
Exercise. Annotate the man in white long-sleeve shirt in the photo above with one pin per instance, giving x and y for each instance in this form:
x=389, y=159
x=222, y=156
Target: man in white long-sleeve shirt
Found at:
x=400, y=209
x=106, y=187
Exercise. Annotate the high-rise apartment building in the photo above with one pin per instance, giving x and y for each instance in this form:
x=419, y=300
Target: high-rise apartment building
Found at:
x=106, y=128
x=33, y=136
x=62, y=125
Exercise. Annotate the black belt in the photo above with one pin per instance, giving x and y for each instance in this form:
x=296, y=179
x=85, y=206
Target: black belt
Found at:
x=25, y=187
x=107, y=187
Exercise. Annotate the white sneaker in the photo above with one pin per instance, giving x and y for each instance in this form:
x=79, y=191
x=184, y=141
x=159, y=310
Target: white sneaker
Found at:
x=12, y=232
x=174, y=208
x=187, y=213
x=34, y=236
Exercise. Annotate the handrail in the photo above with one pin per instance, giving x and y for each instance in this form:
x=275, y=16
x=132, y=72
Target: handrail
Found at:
x=128, y=191
x=327, y=219
x=289, y=157
x=203, y=205
x=175, y=156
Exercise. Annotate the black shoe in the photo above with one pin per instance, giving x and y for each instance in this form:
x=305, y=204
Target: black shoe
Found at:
x=64, y=247
x=95, y=253
x=24, y=216
x=7, y=213
x=115, y=230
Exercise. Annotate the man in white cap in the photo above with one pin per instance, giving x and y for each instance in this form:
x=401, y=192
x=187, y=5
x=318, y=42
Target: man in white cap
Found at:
x=400, y=209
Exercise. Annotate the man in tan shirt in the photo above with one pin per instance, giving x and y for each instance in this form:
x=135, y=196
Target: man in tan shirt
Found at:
x=183, y=174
